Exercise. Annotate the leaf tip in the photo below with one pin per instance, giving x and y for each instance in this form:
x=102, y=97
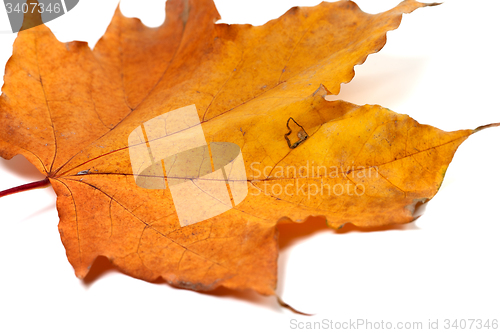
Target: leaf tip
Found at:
x=287, y=306
x=433, y=4
x=480, y=128
x=424, y=4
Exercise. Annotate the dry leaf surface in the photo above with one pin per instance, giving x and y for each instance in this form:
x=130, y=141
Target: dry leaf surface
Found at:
x=70, y=110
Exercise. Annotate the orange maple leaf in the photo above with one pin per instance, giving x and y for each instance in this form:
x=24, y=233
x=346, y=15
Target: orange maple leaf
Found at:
x=72, y=113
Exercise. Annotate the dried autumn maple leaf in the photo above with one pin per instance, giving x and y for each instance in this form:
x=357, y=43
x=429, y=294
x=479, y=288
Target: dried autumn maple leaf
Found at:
x=71, y=111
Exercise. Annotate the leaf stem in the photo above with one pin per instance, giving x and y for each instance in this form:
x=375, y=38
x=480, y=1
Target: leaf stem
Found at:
x=25, y=187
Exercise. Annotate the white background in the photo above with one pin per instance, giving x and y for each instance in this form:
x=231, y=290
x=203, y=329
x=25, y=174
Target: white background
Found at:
x=441, y=67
